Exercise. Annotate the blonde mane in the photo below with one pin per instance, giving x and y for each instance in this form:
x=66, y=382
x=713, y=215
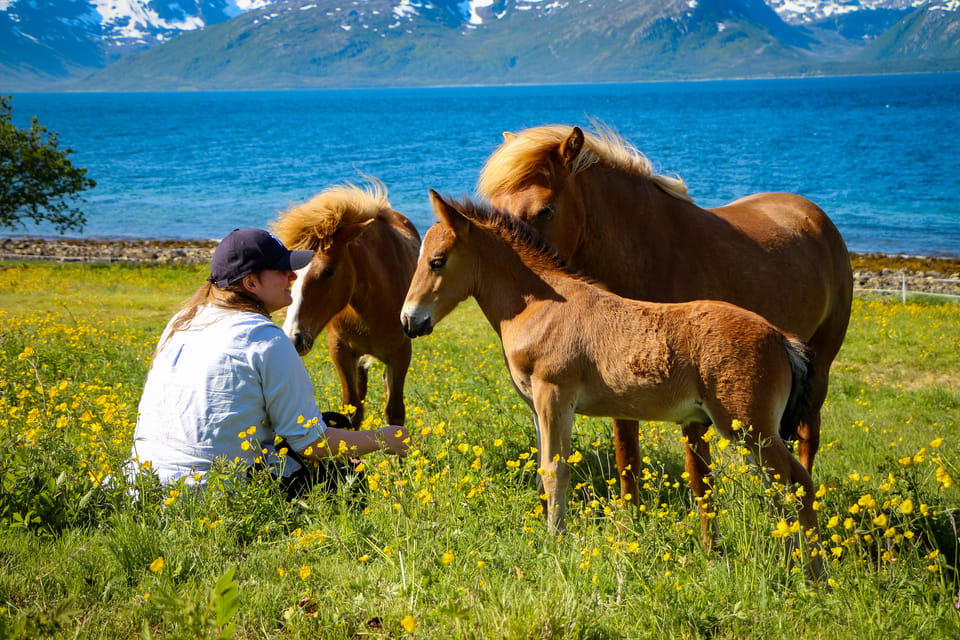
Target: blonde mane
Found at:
x=521, y=156
x=311, y=225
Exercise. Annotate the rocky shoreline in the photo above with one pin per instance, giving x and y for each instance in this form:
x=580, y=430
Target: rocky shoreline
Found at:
x=102, y=250
x=939, y=275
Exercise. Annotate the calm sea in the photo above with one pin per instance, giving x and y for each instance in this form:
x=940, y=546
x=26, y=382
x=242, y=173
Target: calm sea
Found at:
x=880, y=154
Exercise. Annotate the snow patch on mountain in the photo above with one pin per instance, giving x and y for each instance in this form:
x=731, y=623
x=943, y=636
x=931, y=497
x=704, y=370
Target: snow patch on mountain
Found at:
x=806, y=11
x=950, y=5
x=133, y=20
x=470, y=9
x=236, y=7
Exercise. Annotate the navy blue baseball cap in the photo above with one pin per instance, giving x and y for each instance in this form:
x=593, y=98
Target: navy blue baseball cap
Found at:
x=246, y=251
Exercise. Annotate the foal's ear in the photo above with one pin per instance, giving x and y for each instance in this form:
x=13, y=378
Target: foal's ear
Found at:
x=508, y=136
x=571, y=147
x=350, y=232
x=448, y=214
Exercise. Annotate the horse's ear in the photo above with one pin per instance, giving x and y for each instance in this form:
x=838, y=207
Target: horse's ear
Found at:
x=448, y=214
x=571, y=147
x=350, y=232
x=508, y=136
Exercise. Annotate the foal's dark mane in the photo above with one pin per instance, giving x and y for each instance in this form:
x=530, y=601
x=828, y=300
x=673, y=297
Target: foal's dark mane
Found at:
x=521, y=237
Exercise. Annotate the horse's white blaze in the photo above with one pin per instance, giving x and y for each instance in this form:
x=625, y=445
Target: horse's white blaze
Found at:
x=291, y=323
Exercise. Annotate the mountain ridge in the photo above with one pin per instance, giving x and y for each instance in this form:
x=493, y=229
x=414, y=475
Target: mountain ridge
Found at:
x=284, y=44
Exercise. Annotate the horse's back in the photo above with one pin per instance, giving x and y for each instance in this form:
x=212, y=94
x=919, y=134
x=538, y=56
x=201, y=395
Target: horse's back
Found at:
x=786, y=236
x=770, y=218
x=659, y=361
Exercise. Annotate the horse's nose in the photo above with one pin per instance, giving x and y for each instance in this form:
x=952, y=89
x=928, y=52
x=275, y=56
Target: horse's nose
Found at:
x=302, y=343
x=413, y=327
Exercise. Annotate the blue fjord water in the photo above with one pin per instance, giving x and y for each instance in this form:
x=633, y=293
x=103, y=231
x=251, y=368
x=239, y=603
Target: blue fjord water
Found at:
x=880, y=154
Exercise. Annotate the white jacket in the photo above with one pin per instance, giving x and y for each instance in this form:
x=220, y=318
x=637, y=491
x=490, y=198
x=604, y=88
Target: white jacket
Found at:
x=223, y=387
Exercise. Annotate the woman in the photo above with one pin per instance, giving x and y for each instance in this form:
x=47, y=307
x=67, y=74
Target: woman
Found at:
x=227, y=383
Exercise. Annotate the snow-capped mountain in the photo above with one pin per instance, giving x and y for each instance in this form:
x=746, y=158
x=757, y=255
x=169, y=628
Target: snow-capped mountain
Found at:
x=219, y=43
x=813, y=11
x=117, y=23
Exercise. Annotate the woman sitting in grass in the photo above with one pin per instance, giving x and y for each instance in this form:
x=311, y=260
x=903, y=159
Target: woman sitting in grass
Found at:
x=226, y=382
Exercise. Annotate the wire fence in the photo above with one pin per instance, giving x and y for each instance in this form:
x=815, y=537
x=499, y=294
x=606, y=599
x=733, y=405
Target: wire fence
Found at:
x=905, y=291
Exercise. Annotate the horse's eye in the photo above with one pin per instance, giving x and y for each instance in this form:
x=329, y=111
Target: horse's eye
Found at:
x=438, y=263
x=544, y=214
x=328, y=272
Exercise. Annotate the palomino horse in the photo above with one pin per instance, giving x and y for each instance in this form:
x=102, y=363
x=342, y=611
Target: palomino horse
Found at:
x=365, y=256
x=596, y=199
x=573, y=347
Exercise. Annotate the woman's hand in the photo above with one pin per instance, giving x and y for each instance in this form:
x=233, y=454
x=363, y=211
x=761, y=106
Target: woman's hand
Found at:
x=395, y=440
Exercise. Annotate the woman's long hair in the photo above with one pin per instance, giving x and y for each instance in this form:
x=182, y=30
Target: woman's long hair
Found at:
x=232, y=298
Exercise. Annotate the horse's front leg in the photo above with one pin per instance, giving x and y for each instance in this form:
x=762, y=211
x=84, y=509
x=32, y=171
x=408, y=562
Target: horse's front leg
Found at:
x=345, y=361
x=696, y=453
x=396, y=373
x=626, y=442
x=555, y=414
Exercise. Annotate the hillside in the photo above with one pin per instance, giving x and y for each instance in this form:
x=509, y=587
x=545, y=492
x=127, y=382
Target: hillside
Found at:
x=257, y=44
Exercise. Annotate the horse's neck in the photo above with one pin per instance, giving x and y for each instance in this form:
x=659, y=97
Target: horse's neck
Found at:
x=629, y=220
x=506, y=285
x=382, y=266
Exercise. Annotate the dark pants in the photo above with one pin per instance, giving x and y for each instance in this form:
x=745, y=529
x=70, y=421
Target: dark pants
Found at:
x=331, y=475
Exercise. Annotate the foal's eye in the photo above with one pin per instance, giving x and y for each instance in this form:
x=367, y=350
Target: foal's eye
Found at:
x=328, y=272
x=438, y=263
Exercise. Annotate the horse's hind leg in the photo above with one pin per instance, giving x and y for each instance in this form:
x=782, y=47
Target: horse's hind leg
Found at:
x=808, y=431
x=394, y=377
x=363, y=374
x=786, y=470
x=696, y=452
x=825, y=344
x=626, y=442
x=346, y=361
x=808, y=440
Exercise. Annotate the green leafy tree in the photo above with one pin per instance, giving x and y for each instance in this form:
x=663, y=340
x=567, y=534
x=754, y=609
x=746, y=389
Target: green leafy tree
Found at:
x=36, y=177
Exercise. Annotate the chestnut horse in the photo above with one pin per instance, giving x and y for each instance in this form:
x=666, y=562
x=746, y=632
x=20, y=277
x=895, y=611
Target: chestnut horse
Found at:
x=365, y=254
x=596, y=199
x=575, y=348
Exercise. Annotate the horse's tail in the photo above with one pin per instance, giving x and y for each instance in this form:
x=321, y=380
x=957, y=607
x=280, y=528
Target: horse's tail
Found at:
x=798, y=404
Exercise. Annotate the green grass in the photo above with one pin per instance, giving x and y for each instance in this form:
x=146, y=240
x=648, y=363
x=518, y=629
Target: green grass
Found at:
x=452, y=542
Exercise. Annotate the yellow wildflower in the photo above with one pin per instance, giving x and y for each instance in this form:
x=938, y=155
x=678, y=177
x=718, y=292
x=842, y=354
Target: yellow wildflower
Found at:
x=944, y=478
x=784, y=529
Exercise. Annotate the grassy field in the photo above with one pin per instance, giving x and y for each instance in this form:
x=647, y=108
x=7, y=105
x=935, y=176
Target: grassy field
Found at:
x=452, y=542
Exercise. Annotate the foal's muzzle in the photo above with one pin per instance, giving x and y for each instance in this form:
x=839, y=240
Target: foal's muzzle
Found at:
x=414, y=327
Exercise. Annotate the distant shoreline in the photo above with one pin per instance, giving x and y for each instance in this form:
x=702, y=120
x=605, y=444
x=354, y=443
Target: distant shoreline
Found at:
x=872, y=271
x=71, y=85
